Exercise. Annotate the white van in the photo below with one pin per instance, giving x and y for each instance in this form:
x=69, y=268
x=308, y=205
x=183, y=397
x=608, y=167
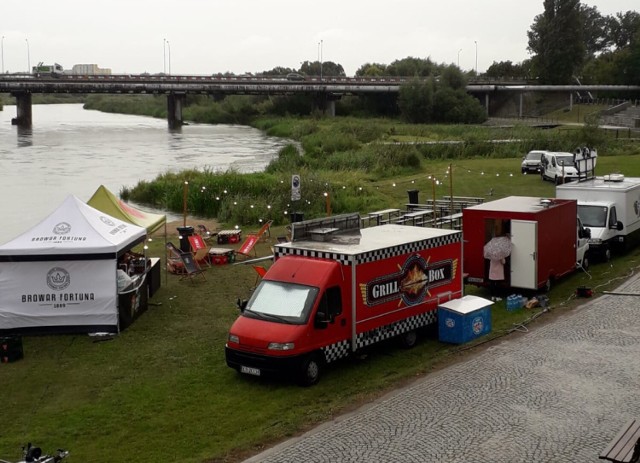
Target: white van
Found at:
x=559, y=167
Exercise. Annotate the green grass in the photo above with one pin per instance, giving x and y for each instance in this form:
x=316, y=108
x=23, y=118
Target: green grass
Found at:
x=161, y=389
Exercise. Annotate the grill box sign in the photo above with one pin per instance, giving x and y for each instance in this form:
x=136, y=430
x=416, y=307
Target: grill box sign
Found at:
x=411, y=284
x=357, y=287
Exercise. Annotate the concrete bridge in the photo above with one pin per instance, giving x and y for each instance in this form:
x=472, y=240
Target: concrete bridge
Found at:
x=325, y=90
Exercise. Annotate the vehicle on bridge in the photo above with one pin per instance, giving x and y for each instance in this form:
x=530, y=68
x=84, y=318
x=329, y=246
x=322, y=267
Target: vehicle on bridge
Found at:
x=52, y=69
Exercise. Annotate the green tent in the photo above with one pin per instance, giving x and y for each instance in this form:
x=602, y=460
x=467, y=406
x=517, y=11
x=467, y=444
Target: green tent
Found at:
x=107, y=202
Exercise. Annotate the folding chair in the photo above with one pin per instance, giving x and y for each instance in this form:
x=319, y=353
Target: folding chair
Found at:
x=261, y=271
x=200, y=250
x=248, y=246
x=266, y=228
x=182, y=263
x=174, y=260
x=205, y=233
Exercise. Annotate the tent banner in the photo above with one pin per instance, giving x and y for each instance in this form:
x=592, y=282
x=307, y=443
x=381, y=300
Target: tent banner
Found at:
x=57, y=293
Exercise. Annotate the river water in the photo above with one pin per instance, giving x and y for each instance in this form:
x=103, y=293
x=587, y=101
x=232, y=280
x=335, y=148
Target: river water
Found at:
x=70, y=150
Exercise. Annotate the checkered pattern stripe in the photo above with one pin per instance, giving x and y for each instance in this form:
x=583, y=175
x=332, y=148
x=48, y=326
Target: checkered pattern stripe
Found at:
x=342, y=258
x=416, y=246
x=376, y=255
x=336, y=351
x=394, y=329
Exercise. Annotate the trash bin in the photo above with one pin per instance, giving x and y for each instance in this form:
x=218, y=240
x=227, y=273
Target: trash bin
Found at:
x=297, y=217
x=185, y=233
x=413, y=196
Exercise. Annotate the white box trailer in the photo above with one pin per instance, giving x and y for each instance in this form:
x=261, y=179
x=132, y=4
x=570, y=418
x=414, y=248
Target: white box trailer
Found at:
x=610, y=207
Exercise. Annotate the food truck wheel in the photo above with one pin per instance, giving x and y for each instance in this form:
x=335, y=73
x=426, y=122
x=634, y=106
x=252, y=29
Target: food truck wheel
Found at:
x=409, y=339
x=606, y=255
x=310, y=369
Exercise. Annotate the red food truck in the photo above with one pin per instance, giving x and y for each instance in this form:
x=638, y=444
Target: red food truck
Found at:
x=547, y=240
x=336, y=289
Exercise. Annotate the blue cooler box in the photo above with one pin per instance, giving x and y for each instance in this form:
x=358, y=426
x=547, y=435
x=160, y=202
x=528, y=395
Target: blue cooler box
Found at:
x=462, y=320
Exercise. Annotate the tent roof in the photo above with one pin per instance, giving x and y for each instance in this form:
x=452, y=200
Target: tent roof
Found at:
x=75, y=228
x=105, y=201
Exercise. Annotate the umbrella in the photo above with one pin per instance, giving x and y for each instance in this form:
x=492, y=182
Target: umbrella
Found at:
x=497, y=248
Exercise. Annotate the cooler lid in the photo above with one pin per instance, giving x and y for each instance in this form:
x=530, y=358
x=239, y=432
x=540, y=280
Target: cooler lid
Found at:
x=466, y=304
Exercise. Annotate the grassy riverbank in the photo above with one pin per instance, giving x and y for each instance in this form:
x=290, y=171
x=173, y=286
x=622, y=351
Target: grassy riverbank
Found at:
x=345, y=158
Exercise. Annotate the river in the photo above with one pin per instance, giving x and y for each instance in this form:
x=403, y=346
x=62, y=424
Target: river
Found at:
x=70, y=150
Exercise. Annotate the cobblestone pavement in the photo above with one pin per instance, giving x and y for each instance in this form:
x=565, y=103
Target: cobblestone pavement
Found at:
x=559, y=393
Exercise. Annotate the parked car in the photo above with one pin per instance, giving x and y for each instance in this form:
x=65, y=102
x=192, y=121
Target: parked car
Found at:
x=559, y=167
x=532, y=162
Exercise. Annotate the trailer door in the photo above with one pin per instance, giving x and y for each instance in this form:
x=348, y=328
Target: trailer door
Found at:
x=524, y=254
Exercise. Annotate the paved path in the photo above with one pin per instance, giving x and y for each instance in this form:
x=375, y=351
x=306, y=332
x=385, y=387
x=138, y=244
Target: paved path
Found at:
x=559, y=393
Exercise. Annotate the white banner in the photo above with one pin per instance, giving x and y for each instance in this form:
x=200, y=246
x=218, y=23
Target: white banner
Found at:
x=295, y=188
x=57, y=293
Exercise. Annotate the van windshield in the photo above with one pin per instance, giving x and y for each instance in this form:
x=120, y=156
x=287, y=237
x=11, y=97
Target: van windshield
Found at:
x=281, y=302
x=565, y=160
x=593, y=216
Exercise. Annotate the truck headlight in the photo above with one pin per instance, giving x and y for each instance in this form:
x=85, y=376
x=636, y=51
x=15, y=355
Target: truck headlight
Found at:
x=281, y=346
x=234, y=338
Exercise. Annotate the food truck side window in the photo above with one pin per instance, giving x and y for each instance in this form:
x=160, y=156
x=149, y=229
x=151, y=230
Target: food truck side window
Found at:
x=330, y=305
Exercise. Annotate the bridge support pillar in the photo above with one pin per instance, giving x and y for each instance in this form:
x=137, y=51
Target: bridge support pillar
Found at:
x=486, y=103
x=330, y=108
x=175, y=103
x=520, y=106
x=23, y=105
x=570, y=101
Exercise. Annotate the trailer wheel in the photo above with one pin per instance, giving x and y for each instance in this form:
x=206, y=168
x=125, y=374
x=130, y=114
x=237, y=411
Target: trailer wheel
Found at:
x=585, y=261
x=310, y=369
x=547, y=285
x=409, y=339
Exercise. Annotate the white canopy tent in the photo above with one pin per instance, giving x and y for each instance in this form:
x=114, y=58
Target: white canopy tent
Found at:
x=61, y=274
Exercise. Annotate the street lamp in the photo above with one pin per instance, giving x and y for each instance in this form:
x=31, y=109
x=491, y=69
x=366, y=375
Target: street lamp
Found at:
x=320, y=59
x=164, y=56
x=476, y=42
x=28, y=57
x=169, y=49
x=2, y=52
x=459, y=57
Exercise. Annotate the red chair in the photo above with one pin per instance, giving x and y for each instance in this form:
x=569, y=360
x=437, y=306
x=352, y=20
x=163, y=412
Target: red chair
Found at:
x=261, y=271
x=200, y=250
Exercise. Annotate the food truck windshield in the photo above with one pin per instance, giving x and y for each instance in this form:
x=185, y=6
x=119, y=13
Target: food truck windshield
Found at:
x=281, y=302
x=593, y=216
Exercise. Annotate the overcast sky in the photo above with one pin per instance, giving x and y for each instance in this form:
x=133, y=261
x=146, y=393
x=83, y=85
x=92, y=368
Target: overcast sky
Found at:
x=210, y=36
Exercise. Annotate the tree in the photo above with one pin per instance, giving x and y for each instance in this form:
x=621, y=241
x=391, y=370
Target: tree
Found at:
x=372, y=70
x=556, y=40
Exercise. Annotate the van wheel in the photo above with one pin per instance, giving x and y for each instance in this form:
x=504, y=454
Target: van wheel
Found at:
x=557, y=180
x=310, y=369
x=585, y=261
x=606, y=255
x=409, y=339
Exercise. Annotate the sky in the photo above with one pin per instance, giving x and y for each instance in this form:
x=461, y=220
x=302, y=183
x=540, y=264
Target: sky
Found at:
x=248, y=36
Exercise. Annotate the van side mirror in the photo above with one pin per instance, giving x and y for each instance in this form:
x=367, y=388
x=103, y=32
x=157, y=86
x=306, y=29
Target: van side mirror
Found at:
x=322, y=320
x=619, y=226
x=584, y=233
x=242, y=304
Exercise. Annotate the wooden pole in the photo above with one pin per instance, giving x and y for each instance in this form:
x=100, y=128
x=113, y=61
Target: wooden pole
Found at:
x=451, y=211
x=185, y=190
x=328, y=200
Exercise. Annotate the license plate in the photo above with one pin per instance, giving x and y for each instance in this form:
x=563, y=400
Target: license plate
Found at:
x=249, y=370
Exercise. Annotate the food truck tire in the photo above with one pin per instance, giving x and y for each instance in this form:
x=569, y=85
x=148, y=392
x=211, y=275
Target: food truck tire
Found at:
x=409, y=339
x=310, y=369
